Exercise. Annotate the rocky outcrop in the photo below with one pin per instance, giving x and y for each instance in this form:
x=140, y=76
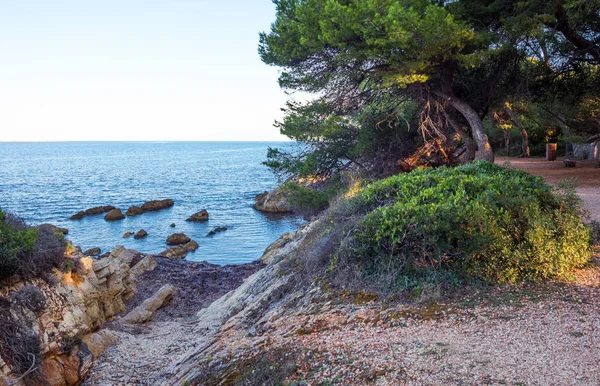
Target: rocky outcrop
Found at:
x=93, y=252
x=92, y=212
x=76, y=304
x=54, y=228
x=114, y=215
x=140, y=234
x=180, y=251
x=155, y=205
x=144, y=311
x=199, y=216
x=275, y=201
x=134, y=211
x=216, y=230
x=178, y=239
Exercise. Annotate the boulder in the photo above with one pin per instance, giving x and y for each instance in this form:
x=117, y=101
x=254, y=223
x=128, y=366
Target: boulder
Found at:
x=199, y=216
x=77, y=216
x=177, y=239
x=217, y=230
x=172, y=225
x=93, y=252
x=54, y=228
x=144, y=311
x=157, y=205
x=99, y=210
x=180, y=251
x=140, y=234
x=275, y=201
x=127, y=234
x=114, y=215
x=134, y=211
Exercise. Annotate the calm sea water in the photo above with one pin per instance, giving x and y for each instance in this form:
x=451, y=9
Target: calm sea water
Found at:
x=48, y=182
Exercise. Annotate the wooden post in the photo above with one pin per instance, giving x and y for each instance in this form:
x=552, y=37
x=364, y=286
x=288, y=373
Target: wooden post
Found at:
x=550, y=152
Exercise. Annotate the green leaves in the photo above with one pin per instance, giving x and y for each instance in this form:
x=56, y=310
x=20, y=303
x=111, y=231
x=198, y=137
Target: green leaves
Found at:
x=478, y=221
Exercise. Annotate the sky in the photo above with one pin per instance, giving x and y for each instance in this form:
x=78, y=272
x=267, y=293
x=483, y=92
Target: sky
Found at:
x=142, y=70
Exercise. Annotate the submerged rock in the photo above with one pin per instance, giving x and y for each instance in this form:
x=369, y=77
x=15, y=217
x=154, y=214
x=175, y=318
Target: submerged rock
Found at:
x=114, y=215
x=275, y=201
x=180, y=251
x=177, y=239
x=199, y=216
x=134, y=211
x=172, y=225
x=155, y=205
x=93, y=252
x=140, y=234
x=217, y=230
x=92, y=212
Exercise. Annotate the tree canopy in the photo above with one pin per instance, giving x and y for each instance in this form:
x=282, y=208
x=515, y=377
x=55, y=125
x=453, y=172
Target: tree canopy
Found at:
x=454, y=61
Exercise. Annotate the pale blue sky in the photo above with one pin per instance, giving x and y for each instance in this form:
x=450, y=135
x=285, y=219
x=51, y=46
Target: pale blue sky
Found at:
x=136, y=70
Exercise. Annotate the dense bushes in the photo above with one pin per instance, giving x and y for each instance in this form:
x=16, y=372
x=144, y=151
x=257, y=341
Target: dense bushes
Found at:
x=475, y=222
x=27, y=251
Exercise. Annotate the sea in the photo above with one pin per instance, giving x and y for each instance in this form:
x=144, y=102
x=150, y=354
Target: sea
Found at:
x=48, y=182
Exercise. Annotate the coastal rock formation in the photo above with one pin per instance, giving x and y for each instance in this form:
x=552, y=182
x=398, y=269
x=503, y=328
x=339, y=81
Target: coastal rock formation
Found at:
x=275, y=201
x=93, y=252
x=70, y=309
x=127, y=234
x=155, y=205
x=216, y=230
x=199, y=216
x=140, y=234
x=114, y=215
x=54, y=228
x=134, y=211
x=180, y=251
x=177, y=239
x=92, y=211
x=144, y=311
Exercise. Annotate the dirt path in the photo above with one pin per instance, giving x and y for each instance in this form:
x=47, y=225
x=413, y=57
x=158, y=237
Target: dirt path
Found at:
x=586, y=173
x=144, y=352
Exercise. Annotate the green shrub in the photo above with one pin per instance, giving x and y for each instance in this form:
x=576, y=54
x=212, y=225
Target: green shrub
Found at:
x=477, y=222
x=26, y=251
x=311, y=199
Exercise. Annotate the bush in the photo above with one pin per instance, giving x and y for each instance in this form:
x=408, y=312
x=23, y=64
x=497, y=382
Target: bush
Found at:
x=477, y=222
x=26, y=251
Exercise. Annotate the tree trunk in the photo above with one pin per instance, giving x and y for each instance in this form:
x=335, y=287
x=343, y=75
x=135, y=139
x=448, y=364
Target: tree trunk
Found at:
x=515, y=118
x=470, y=145
x=484, y=150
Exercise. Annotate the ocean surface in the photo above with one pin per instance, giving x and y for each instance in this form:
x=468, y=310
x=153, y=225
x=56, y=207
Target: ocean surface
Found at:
x=48, y=182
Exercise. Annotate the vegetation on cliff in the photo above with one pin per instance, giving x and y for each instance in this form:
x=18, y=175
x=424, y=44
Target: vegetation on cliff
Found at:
x=27, y=251
x=446, y=227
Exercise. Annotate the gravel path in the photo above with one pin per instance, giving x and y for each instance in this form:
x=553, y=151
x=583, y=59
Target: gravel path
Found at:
x=144, y=352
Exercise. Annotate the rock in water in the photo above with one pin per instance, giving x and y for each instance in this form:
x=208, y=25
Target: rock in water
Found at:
x=99, y=210
x=114, y=215
x=127, y=234
x=157, y=205
x=274, y=201
x=217, y=230
x=77, y=216
x=134, y=211
x=93, y=252
x=140, y=234
x=180, y=251
x=172, y=225
x=177, y=239
x=144, y=311
x=199, y=216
